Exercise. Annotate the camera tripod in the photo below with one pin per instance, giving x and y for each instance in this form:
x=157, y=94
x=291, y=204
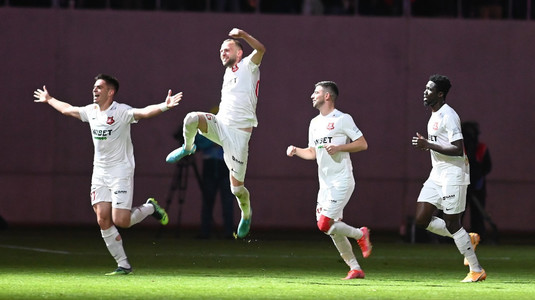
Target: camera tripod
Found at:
x=179, y=184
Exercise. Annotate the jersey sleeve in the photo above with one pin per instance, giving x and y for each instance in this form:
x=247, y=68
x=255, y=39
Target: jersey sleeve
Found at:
x=127, y=113
x=452, y=123
x=251, y=65
x=350, y=128
x=84, y=112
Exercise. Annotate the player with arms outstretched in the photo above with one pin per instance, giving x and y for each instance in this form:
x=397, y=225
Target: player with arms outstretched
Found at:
x=112, y=182
x=233, y=125
x=332, y=135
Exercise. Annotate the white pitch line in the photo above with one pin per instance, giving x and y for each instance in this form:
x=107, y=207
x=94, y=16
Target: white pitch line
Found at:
x=35, y=249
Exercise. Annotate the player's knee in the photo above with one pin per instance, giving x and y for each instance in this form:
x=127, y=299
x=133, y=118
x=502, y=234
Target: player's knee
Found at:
x=324, y=223
x=422, y=221
x=121, y=221
x=104, y=222
x=191, y=118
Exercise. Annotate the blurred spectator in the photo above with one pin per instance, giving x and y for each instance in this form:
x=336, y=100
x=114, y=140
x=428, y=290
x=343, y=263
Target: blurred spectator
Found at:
x=490, y=9
x=480, y=166
x=312, y=7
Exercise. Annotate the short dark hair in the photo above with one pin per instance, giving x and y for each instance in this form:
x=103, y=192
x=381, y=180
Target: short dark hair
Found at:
x=330, y=86
x=110, y=80
x=235, y=41
x=443, y=83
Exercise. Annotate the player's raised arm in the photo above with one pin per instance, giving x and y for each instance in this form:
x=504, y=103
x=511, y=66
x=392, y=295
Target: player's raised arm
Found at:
x=259, y=48
x=42, y=96
x=156, y=109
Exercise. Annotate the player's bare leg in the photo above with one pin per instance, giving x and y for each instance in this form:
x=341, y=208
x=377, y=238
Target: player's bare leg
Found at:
x=112, y=238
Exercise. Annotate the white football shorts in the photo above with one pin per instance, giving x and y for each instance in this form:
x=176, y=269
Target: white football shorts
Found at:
x=235, y=143
x=115, y=185
x=332, y=200
x=451, y=199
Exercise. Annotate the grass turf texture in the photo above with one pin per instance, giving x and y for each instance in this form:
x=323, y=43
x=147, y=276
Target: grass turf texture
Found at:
x=70, y=264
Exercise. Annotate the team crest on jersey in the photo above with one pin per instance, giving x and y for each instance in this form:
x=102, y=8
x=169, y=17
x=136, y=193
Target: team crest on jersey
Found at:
x=435, y=126
x=330, y=126
x=235, y=68
x=110, y=120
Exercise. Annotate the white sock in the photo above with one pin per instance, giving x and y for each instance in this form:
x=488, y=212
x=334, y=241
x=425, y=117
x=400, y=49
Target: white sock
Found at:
x=243, y=198
x=113, y=241
x=191, y=124
x=139, y=213
x=341, y=228
x=346, y=251
x=438, y=226
x=462, y=241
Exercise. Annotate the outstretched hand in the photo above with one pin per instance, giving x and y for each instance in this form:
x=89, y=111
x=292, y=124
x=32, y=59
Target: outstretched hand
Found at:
x=172, y=100
x=41, y=95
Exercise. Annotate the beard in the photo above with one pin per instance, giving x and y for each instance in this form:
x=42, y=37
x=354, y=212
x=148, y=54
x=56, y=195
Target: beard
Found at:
x=230, y=62
x=430, y=102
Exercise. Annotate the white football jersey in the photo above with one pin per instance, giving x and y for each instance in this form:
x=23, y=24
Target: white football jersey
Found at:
x=336, y=128
x=444, y=127
x=239, y=95
x=110, y=130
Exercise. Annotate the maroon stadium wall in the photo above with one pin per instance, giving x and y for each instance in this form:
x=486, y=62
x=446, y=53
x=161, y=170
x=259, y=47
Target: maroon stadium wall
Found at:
x=380, y=64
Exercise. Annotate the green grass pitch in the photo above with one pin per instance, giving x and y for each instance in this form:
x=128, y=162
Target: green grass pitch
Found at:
x=69, y=263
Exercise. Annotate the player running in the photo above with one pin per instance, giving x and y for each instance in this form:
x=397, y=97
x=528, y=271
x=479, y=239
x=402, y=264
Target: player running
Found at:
x=332, y=135
x=233, y=125
x=112, y=181
x=445, y=189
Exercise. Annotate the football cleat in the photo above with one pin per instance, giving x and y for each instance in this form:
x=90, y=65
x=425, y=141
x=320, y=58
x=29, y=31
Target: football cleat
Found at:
x=120, y=271
x=475, y=276
x=474, y=239
x=244, y=226
x=354, y=274
x=179, y=153
x=364, y=242
x=159, y=212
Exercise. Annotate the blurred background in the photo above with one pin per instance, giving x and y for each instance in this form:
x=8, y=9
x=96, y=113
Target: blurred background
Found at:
x=380, y=53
